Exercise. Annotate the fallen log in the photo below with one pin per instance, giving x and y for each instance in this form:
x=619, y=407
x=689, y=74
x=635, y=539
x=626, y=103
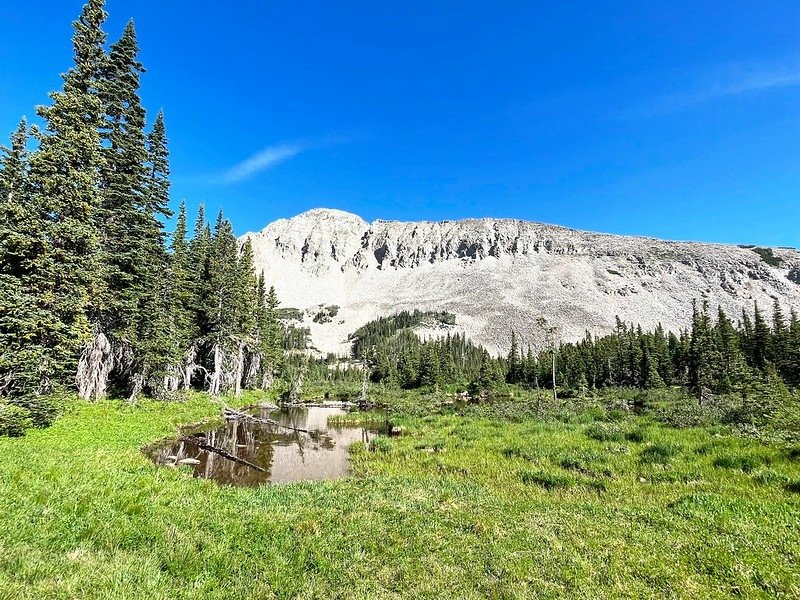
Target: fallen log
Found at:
x=221, y=451
x=230, y=414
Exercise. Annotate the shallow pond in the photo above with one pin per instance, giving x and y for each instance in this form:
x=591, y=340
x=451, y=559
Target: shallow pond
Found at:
x=299, y=447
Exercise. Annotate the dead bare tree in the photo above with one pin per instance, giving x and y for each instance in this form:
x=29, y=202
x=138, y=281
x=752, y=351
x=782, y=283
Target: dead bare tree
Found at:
x=551, y=341
x=95, y=366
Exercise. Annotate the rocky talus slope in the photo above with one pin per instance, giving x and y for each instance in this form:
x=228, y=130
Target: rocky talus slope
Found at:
x=498, y=274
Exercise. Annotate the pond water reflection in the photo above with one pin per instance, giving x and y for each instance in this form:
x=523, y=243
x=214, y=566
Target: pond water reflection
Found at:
x=276, y=453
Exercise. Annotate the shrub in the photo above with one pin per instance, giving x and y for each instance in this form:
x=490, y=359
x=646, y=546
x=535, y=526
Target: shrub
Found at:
x=14, y=420
x=42, y=410
x=768, y=256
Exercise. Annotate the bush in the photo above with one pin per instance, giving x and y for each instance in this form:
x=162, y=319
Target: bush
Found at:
x=42, y=410
x=14, y=420
x=768, y=256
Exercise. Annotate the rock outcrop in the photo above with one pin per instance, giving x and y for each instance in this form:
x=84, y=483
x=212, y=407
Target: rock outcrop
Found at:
x=500, y=274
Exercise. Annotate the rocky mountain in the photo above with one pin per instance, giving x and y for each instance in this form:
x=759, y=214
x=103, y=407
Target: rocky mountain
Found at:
x=500, y=274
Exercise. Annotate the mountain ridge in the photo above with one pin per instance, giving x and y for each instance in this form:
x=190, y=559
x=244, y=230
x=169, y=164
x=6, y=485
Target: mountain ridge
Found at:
x=501, y=274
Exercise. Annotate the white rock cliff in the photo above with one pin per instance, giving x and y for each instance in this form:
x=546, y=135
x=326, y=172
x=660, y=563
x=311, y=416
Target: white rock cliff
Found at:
x=500, y=274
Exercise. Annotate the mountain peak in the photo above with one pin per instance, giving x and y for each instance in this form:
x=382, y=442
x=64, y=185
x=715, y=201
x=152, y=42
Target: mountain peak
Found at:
x=500, y=275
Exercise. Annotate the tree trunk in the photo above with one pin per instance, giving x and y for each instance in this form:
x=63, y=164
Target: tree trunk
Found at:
x=95, y=366
x=214, y=383
x=239, y=369
x=138, y=384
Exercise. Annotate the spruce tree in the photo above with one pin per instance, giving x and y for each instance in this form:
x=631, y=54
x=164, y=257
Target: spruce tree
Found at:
x=701, y=351
x=272, y=346
x=158, y=334
x=222, y=306
x=64, y=175
x=429, y=368
x=760, y=340
x=21, y=246
x=793, y=361
x=729, y=371
x=20, y=222
x=181, y=309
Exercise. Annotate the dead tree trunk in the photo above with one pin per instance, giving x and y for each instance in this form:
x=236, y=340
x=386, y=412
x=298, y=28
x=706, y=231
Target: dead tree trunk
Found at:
x=239, y=369
x=215, y=380
x=95, y=366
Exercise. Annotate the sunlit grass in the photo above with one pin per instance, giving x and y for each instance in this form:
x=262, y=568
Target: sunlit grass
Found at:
x=464, y=507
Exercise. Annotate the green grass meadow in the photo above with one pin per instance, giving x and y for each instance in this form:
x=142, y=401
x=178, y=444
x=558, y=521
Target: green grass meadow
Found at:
x=456, y=506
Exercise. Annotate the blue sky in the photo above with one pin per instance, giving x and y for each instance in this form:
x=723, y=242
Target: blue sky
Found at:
x=672, y=119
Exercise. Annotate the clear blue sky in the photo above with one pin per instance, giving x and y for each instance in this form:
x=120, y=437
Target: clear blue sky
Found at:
x=672, y=119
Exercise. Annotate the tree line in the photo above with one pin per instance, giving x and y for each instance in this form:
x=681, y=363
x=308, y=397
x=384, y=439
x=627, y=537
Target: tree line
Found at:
x=94, y=295
x=715, y=355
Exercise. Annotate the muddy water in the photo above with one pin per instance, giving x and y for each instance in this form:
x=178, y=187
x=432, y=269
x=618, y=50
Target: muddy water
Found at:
x=283, y=454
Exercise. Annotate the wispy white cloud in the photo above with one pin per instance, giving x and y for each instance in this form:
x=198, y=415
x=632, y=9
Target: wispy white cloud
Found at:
x=732, y=81
x=267, y=158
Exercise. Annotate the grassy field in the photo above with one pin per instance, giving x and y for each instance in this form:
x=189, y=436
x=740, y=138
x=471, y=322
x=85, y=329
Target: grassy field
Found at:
x=462, y=507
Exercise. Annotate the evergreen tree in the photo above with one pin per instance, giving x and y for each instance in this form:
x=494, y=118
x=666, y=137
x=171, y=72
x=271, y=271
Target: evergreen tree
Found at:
x=793, y=361
x=21, y=245
x=429, y=369
x=650, y=377
x=21, y=223
x=220, y=305
x=64, y=175
x=246, y=329
x=729, y=371
x=515, y=372
x=272, y=337
x=760, y=345
x=701, y=351
x=780, y=343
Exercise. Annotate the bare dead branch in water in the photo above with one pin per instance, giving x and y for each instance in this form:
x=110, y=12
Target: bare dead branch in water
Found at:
x=229, y=414
x=221, y=451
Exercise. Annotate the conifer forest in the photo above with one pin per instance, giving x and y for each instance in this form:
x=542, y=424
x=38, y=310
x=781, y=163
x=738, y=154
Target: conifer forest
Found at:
x=169, y=428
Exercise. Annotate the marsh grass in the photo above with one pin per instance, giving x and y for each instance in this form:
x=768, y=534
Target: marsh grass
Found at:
x=377, y=421
x=458, y=507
